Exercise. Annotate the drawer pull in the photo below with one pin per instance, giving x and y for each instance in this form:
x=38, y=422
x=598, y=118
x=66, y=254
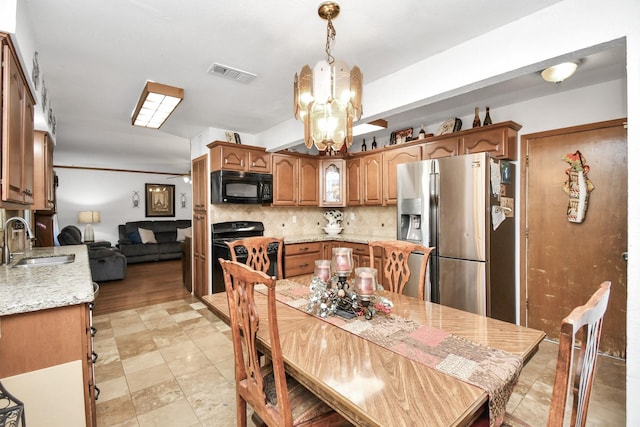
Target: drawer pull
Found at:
x=96, y=392
x=94, y=357
x=304, y=265
x=93, y=331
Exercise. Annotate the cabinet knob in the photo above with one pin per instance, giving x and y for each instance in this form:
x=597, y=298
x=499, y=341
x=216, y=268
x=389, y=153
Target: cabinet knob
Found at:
x=96, y=392
x=94, y=357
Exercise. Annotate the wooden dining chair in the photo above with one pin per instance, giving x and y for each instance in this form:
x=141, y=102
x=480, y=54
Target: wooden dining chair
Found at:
x=276, y=398
x=585, y=324
x=395, y=267
x=257, y=255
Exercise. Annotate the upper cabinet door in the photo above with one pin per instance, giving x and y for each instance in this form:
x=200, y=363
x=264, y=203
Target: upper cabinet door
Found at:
x=332, y=183
x=391, y=160
x=17, y=133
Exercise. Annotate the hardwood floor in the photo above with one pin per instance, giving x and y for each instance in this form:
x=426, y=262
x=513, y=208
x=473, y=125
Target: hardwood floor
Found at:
x=145, y=284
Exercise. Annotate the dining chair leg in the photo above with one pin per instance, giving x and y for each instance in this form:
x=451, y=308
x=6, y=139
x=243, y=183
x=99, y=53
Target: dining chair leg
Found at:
x=241, y=411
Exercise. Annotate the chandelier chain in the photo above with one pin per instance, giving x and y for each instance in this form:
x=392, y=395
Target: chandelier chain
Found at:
x=331, y=36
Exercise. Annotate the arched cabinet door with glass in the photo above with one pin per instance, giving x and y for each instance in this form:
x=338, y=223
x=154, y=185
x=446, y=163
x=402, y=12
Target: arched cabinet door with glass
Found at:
x=332, y=182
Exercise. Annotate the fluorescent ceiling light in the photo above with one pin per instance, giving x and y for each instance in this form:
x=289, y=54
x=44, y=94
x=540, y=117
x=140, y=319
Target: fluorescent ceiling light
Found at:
x=559, y=72
x=156, y=103
x=369, y=127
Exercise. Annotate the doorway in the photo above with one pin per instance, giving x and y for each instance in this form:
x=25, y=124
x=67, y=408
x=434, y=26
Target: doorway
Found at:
x=563, y=262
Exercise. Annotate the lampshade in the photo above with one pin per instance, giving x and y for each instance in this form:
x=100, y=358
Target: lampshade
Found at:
x=156, y=103
x=328, y=99
x=88, y=217
x=560, y=72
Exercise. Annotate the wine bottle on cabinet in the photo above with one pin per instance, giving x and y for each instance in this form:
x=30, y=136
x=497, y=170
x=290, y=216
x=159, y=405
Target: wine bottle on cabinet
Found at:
x=364, y=145
x=487, y=118
x=476, y=119
x=374, y=144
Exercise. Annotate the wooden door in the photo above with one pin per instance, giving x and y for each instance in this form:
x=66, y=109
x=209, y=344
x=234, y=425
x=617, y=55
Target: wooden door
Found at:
x=391, y=159
x=354, y=182
x=199, y=183
x=564, y=262
x=285, y=177
x=372, y=179
x=308, y=182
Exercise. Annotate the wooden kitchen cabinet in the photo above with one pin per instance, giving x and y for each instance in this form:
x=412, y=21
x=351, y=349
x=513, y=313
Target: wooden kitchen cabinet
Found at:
x=227, y=156
x=332, y=183
x=354, y=181
x=47, y=339
x=299, y=258
x=44, y=177
x=447, y=147
x=200, y=253
x=17, y=111
x=199, y=183
x=390, y=160
x=499, y=140
x=200, y=227
x=372, y=172
x=295, y=180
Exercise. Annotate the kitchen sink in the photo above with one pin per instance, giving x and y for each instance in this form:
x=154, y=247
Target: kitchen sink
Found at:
x=45, y=260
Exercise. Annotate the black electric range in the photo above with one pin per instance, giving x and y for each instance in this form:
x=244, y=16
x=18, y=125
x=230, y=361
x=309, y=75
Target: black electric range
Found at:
x=223, y=232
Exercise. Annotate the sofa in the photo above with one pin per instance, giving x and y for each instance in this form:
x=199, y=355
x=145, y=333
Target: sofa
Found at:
x=105, y=262
x=142, y=241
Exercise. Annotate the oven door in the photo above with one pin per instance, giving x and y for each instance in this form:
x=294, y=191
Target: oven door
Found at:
x=221, y=250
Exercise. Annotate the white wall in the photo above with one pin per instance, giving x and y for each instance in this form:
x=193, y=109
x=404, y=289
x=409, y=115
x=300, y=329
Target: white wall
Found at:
x=111, y=193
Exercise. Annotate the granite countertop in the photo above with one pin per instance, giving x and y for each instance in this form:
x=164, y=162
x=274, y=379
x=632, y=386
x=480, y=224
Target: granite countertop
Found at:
x=26, y=289
x=321, y=237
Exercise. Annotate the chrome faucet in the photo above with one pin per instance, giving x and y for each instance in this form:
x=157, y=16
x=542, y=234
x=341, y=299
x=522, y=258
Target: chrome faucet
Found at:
x=6, y=253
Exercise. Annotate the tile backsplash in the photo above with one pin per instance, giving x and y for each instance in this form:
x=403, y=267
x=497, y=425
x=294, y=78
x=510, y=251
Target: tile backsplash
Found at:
x=279, y=221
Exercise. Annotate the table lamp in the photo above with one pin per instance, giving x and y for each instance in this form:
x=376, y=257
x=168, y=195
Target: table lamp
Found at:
x=88, y=217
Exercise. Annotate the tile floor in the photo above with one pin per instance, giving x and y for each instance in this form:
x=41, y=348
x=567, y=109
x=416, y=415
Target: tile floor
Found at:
x=171, y=365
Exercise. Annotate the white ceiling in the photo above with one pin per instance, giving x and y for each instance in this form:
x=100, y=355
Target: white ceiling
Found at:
x=95, y=57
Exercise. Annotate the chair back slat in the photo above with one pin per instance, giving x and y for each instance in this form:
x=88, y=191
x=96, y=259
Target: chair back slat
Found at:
x=240, y=280
x=395, y=269
x=257, y=252
x=583, y=324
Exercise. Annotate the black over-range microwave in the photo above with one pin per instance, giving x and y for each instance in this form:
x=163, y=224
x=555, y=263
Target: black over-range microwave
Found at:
x=241, y=187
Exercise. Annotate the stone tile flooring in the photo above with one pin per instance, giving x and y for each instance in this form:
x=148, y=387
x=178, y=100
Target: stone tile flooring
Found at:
x=171, y=365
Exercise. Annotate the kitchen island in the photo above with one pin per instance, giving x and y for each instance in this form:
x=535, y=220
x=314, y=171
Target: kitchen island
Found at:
x=46, y=348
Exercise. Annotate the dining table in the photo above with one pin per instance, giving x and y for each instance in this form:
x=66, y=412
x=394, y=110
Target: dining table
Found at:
x=375, y=373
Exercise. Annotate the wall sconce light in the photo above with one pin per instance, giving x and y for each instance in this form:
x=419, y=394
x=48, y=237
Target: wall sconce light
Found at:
x=135, y=199
x=156, y=104
x=183, y=200
x=559, y=72
x=88, y=217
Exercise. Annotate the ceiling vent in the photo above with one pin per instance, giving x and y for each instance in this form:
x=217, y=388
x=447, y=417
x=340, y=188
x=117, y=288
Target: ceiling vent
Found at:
x=231, y=73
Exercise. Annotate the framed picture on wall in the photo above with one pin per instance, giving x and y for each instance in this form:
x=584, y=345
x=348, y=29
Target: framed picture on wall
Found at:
x=159, y=200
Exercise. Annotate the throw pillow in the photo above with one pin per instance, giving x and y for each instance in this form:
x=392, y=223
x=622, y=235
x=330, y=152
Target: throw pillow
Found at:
x=182, y=233
x=134, y=237
x=147, y=236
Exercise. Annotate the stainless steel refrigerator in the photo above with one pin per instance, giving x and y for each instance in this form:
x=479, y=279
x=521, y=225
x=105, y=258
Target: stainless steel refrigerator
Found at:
x=463, y=206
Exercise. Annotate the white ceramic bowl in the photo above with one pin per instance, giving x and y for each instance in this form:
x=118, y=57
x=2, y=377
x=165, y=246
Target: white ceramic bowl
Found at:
x=332, y=230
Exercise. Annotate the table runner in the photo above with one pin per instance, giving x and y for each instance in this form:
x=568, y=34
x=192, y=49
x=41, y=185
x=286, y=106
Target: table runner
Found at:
x=494, y=370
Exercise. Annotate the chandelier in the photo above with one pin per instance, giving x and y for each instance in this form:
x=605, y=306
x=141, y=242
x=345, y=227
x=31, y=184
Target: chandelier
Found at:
x=328, y=99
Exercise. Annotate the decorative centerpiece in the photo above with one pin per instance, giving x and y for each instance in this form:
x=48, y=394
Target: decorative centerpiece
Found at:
x=333, y=296
x=334, y=217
